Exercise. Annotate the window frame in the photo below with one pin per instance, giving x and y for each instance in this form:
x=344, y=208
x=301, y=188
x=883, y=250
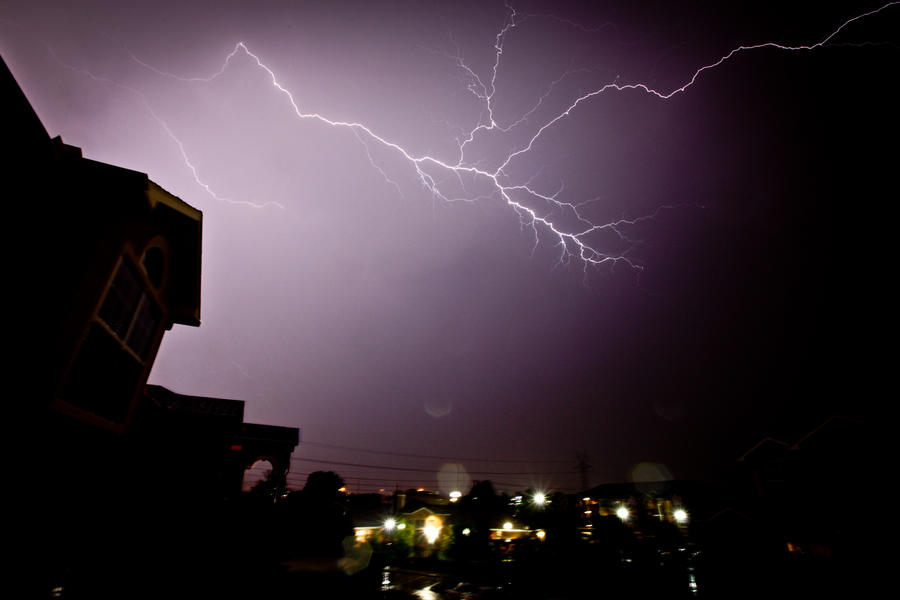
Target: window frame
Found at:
x=148, y=294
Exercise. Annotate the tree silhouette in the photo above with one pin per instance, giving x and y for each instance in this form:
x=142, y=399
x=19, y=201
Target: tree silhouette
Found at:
x=317, y=517
x=480, y=510
x=271, y=487
x=322, y=487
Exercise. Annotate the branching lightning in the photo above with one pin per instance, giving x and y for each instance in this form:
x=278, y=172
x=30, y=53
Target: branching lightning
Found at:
x=165, y=127
x=573, y=242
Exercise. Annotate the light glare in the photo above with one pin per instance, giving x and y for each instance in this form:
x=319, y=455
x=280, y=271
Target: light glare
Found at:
x=431, y=533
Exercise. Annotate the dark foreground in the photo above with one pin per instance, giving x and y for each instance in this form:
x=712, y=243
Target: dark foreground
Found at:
x=542, y=576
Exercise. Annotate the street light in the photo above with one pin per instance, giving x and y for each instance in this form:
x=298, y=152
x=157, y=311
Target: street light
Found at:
x=431, y=533
x=681, y=515
x=390, y=524
x=622, y=513
x=539, y=498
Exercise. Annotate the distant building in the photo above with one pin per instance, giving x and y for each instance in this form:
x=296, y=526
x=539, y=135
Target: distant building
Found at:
x=425, y=519
x=640, y=504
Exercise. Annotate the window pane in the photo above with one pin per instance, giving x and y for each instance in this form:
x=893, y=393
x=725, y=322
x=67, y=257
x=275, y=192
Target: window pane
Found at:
x=104, y=377
x=121, y=300
x=144, y=327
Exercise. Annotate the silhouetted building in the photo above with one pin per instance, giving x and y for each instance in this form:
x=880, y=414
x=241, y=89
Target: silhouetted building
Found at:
x=109, y=261
x=114, y=262
x=205, y=444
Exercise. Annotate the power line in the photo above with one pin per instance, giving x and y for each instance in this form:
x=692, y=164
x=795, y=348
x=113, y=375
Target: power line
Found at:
x=354, y=477
x=372, y=484
x=389, y=468
x=434, y=457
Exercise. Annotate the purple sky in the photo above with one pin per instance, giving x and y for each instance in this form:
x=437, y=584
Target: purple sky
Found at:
x=428, y=313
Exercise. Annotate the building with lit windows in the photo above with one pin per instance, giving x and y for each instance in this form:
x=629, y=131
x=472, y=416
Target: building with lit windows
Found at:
x=643, y=505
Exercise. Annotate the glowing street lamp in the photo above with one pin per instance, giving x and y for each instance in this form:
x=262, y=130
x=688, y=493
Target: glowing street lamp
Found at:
x=622, y=513
x=390, y=524
x=539, y=499
x=431, y=533
x=507, y=525
x=681, y=515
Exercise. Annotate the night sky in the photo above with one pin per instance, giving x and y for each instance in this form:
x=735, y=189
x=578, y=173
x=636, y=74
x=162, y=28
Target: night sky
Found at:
x=736, y=246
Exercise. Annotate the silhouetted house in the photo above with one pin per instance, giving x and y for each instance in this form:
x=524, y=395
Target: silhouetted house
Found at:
x=794, y=489
x=793, y=515
x=106, y=262
x=109, y=261
x=112, y=264
x=204, y=444
x=765, y=463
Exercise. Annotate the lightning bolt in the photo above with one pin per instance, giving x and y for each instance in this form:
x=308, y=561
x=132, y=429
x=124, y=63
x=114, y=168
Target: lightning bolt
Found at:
x=168, y=130
x=573, y=242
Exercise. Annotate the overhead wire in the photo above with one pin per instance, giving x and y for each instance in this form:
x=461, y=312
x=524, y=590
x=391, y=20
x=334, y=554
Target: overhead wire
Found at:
x=431, y=456
x=420, y=470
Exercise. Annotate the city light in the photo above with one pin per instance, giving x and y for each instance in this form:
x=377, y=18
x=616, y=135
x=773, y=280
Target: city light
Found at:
x=466, y=531
x=539, y=499
x=507, y=525
x=390, y=524
x=681, y=515
x=401, y=526
x=541, y=534
x=622, y=513
x=431, y=533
